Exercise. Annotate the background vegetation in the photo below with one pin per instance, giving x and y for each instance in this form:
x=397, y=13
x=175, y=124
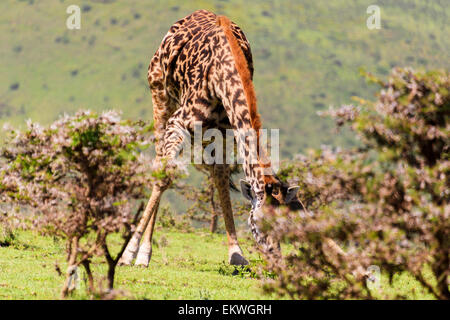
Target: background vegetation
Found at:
x=383, y=205
x=307, y=56
x=185, y=265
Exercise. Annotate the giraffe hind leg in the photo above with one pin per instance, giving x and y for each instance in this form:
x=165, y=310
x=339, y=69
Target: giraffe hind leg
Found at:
x=163, y=108
x=145, y=250
x=132, y=248
x=172, y=140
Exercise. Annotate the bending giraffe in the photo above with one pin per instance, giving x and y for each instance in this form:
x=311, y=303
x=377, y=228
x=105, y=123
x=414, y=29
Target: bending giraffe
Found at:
x=202, y=72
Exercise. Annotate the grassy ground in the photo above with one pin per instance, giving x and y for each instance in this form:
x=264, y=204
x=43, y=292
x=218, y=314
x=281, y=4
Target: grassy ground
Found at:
x=184, y=266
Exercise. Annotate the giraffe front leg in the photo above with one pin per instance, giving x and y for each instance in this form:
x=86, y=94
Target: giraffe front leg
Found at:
x=221, y=178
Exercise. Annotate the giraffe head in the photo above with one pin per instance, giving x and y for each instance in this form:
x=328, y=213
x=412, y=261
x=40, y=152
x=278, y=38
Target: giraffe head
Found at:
x=275, y=193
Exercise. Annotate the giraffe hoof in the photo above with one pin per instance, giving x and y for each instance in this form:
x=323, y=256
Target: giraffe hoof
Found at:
x=144, y=256
x=142, y=260
x=125, y=261
x=237, y=259
x=141, y=264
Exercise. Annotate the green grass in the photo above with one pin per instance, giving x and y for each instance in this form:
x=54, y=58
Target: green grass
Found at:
x=183, y=266
x=189, y=266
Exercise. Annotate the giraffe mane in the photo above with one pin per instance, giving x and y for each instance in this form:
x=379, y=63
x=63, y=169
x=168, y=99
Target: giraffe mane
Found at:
x=244, y=72
x=247, y=83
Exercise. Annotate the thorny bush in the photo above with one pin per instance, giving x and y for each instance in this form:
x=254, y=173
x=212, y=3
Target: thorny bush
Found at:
x=83, y=177
x=384, y=203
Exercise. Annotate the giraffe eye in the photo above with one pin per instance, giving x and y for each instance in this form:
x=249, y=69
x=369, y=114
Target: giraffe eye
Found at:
x=275, y=192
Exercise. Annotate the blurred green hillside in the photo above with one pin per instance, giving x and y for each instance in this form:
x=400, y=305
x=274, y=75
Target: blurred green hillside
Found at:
x=307, y=55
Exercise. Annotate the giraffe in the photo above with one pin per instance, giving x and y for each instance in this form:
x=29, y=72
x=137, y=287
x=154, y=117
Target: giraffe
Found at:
x=202, y=72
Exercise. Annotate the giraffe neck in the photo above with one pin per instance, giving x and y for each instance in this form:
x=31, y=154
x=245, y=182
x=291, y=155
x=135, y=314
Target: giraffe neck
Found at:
x=235, y=88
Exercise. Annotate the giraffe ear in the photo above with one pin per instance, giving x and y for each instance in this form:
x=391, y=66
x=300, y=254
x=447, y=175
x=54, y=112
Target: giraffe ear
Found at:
x=291, y=194
x=246, y=190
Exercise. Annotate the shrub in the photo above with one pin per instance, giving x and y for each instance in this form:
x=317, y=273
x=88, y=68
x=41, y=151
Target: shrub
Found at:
x=383, y=204
x=82, y=176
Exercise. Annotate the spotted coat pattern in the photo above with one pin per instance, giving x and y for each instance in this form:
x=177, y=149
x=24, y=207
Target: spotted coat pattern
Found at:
x=193, y=77
x=202, y=72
